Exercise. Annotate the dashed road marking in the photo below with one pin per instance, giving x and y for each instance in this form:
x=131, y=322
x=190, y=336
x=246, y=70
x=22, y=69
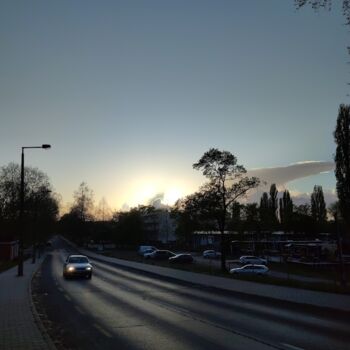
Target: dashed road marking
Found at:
x=102, y=330
x=293, y=347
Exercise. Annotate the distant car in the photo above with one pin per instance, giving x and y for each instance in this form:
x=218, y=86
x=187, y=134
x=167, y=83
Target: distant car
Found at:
x=159, y=255
x=211, y=254
x=250, y=259
x=250, y=270
x=142, y=249
x=181, y=258
x=77, y=265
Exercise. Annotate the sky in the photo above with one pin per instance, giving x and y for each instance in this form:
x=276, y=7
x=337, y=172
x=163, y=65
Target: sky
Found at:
x=131, y=93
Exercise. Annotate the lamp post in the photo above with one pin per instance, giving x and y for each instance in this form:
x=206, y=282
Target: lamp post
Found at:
x=21, y=210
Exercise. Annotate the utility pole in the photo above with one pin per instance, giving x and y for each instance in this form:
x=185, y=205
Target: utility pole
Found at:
x=21, y=219
x=21, y=211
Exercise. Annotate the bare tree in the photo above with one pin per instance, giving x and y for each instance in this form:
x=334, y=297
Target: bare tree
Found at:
x=227, y=183
x=103, y=211
x=83, y=203
x=325, y=4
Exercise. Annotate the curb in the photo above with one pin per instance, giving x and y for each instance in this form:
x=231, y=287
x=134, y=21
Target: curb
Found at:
x=50, y=344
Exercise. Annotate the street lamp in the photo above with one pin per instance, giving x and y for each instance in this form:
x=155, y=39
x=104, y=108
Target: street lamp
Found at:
x=21, y=210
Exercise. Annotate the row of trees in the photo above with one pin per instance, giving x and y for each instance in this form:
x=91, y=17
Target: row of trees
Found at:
x=212, y=208
x=216, y=205
x=41, y=204
x=281, y=213
x=84, y=221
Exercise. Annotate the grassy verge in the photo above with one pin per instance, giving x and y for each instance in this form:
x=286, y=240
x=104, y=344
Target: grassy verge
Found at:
x=330, y=273
x=331, y=287
x=316, y=286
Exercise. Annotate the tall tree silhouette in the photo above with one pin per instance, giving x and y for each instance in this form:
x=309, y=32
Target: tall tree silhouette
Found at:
x=227, y=183
x=318, y=205
x=342, y=162
x=285, y=209
x=264, y=211
x=273, y=204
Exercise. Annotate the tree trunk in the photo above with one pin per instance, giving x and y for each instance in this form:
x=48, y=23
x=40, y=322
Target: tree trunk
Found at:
x=223, y=256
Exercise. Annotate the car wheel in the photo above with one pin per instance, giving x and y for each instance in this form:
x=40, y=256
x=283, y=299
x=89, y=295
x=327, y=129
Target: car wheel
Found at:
x=89, y=276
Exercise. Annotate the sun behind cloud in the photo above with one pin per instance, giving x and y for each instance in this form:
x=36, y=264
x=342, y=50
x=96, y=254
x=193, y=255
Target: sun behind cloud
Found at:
x=172, y=194
x=145, y=191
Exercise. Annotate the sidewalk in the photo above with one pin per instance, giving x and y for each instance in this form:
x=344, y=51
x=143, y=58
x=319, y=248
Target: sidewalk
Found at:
x=295, y=295
x=18, y=326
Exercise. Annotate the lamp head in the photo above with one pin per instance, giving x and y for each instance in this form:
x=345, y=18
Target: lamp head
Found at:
x=45, y=146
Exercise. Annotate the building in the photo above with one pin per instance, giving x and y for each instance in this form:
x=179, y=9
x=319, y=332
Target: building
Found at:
x=209, y=239
x=9, y=249
x=159, y=226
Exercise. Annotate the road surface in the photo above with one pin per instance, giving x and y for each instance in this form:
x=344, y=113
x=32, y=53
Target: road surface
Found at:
x=127, y=309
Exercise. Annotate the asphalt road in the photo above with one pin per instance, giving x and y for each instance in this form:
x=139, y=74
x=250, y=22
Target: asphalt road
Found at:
x=126, y=309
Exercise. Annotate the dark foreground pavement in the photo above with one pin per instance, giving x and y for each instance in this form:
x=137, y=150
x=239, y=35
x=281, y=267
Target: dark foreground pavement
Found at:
x=128, y=309
x=20, y=328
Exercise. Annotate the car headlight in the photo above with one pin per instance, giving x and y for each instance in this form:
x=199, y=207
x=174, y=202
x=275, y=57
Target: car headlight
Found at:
x=71, y=268
x=88, y=268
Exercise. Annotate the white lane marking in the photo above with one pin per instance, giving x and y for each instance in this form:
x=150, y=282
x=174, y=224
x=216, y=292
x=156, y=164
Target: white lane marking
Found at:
x=102, y=330
x=292, y=346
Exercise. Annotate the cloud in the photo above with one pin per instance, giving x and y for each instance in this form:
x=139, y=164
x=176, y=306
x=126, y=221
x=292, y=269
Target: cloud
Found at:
x=282, y=175
x=330, y=196
x=156, y=200
x=125, y=207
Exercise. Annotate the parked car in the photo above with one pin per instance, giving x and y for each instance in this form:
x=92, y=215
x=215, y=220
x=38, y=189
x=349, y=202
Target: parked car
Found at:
x=181, y=258
x=77, y=265
x=211, y=254
x=250, y=259
x=250, y=270
x=148, y=251
x=142, y=249
x=159, y=255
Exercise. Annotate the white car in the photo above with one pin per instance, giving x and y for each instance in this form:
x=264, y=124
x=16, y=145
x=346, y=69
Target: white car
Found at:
x=211, y=254
x=77, y=265
x=250, y=270
x=250, y=259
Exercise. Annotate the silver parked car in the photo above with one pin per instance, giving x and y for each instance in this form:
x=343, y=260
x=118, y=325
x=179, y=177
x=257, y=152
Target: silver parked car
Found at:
x=211, y=254
x=145, y=248
x=159, y=255
x=250, y=270
x=77, y=265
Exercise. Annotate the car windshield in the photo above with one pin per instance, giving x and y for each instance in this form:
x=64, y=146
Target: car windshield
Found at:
x=78, y=260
